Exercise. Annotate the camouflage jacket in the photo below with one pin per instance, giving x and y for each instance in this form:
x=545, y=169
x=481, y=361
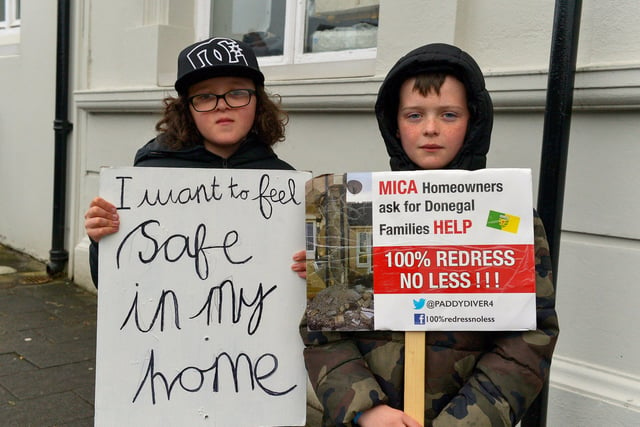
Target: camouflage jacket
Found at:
x=472, y=378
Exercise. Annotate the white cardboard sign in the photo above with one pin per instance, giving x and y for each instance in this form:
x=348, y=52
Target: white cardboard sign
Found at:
x=453, y=250
x=198, y=309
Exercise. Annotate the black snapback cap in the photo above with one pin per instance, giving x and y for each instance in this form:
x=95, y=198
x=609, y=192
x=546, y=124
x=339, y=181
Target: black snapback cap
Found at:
x=216, y=57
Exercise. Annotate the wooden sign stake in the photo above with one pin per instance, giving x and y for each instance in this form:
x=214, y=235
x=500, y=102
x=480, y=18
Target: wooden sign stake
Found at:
x=414, y=369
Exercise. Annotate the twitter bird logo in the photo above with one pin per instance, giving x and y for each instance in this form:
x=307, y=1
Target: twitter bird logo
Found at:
x=419, y=303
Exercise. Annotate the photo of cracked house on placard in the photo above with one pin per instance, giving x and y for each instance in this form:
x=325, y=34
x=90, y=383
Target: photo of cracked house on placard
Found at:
x=339, y=256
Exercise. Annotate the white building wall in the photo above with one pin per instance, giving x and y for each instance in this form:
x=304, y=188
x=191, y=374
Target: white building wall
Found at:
x=125, y=64
x=27, y=111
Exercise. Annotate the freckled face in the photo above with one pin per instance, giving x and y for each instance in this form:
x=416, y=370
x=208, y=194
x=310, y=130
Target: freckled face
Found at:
x=224, y=128
x=432, y=128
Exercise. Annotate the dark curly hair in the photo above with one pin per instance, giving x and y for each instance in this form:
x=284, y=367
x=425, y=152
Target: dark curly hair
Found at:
x=180, y=130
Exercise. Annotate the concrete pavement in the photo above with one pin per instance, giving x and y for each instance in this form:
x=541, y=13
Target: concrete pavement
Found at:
x=47, y=346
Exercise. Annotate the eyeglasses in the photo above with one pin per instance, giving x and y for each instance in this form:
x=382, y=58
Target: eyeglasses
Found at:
x=234, y=98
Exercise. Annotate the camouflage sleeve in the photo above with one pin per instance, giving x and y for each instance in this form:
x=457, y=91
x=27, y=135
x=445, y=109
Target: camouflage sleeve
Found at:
x=342, y=381
x=507, y=380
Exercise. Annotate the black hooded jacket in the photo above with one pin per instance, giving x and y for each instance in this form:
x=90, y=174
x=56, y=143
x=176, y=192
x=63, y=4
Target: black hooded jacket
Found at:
x=438, y=57
x=252, y=154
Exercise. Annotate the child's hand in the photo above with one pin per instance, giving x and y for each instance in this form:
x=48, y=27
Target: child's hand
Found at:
x=300, y=265
x=386, y=416
x=101, y=219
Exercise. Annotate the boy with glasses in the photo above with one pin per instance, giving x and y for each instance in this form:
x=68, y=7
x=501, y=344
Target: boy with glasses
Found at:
x=221, y=118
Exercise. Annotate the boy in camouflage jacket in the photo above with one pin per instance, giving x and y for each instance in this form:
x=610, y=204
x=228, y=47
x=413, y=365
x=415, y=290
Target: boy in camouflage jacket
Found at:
x=434, y=113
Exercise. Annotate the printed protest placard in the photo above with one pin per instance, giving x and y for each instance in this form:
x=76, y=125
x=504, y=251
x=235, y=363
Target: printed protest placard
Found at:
x=198, y=309
x=421, y=250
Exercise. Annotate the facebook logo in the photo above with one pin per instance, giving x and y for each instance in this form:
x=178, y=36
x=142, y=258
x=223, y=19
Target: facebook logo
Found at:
x=419, y=318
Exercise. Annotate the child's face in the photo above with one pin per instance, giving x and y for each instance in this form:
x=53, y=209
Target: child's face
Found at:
x=432, y=128
x=223, y=128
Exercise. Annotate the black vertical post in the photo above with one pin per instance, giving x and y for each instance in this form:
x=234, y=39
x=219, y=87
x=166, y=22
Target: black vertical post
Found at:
x=555, y=148
x=58, y=255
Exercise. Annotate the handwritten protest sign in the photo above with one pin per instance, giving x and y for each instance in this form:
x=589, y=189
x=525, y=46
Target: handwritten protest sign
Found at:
x=198, y=309
x=421, y=250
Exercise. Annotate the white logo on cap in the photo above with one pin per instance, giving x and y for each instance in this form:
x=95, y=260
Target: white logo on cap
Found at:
x=224, y=50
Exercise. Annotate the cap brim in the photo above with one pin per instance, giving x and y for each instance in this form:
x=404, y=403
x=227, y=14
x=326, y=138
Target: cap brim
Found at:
x=183, y=83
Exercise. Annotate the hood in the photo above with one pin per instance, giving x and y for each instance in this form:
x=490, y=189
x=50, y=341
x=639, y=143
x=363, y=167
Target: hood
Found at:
x=157, y=148
x=250, y=155
x=438, y=57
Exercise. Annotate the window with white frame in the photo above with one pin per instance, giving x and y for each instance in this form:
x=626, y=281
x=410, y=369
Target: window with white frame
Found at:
x=9, y=14
x=305, y=33
x=9, y=23
x=363, y=249
x=310, y=231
